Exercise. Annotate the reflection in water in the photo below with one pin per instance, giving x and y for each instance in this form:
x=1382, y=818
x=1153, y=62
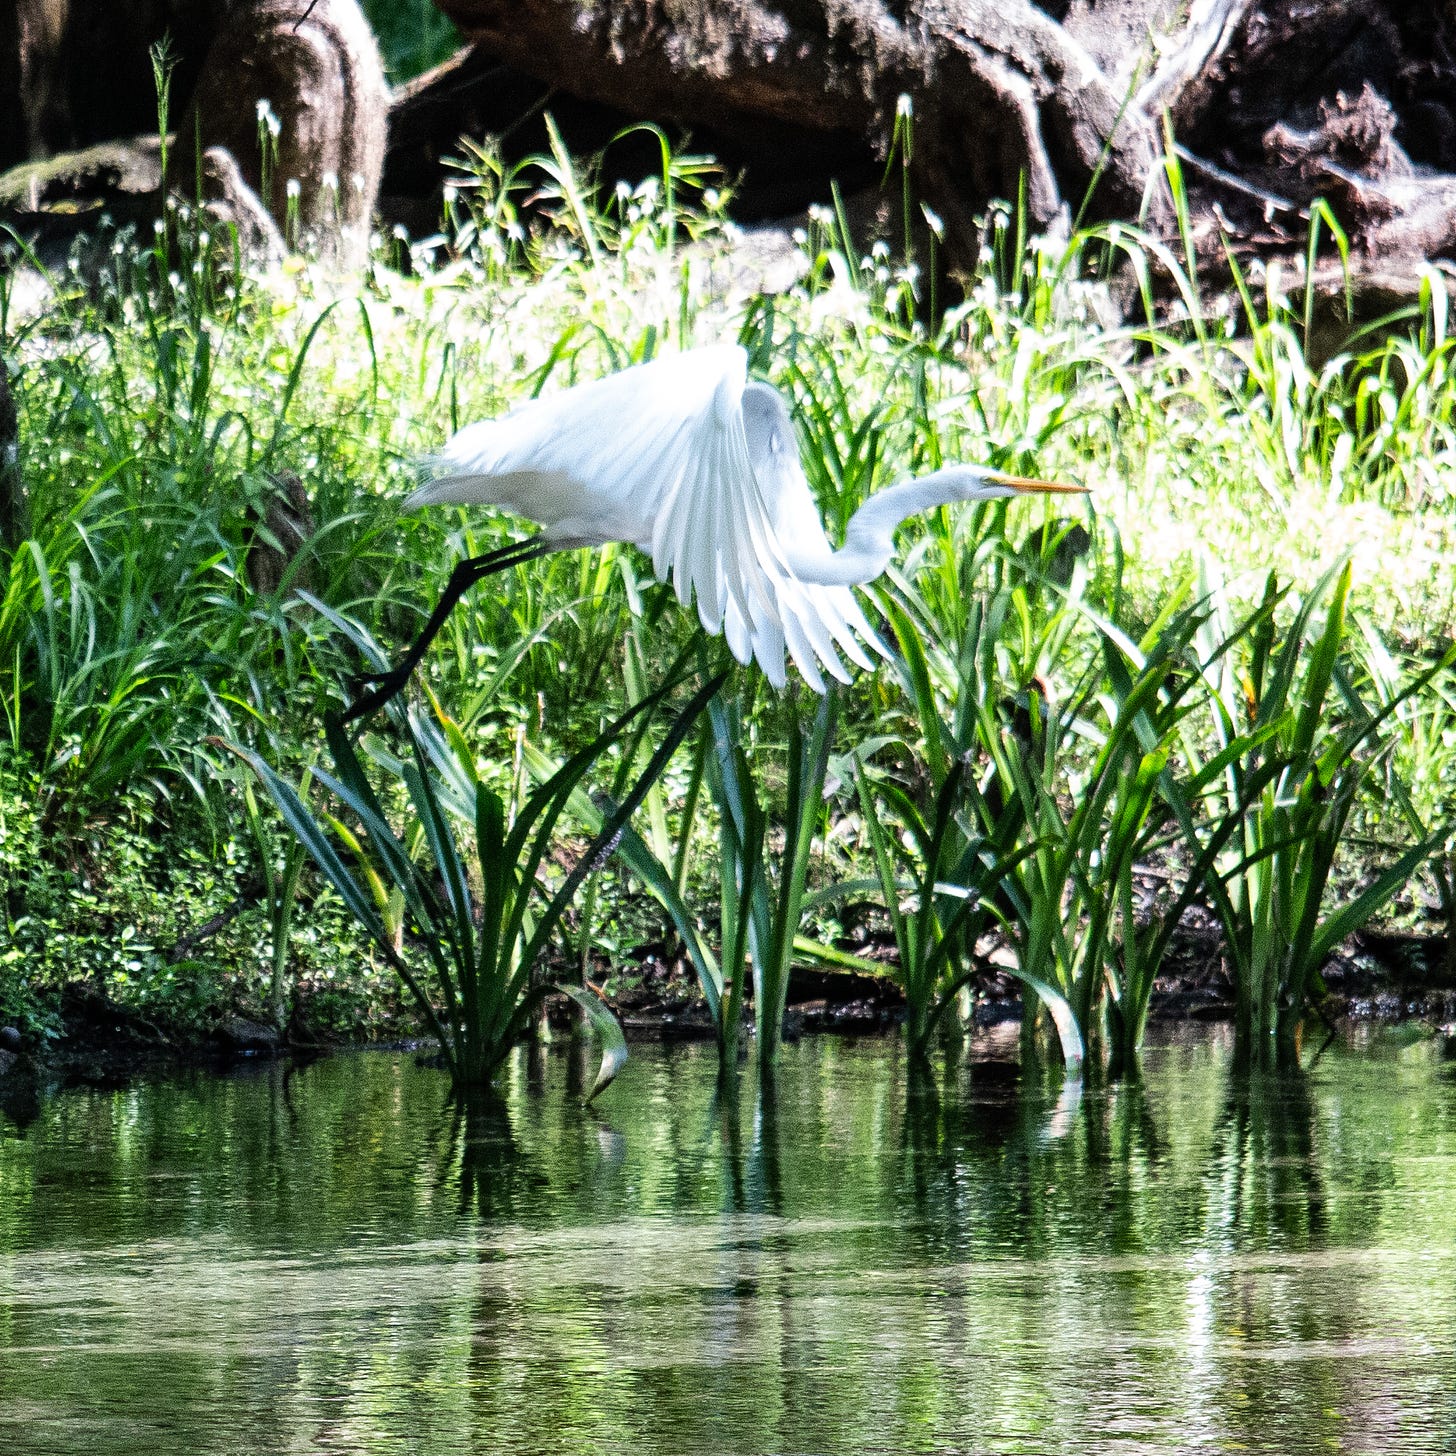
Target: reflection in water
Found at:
x=1267, y=1177
x=849, y=1259
x=487, y=1161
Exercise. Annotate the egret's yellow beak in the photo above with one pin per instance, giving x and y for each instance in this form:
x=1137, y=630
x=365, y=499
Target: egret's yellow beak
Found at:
x=1031, y=487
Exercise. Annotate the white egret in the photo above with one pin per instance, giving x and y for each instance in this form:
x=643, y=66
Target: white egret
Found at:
x=696, y=464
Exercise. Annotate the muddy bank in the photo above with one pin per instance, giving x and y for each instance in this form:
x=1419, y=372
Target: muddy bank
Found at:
x=101, y=1044
x=1379, y=977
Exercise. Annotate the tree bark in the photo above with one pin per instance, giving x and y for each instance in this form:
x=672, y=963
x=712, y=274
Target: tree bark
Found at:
x=77, y=74
x=314, y=67
x=14, y=503
x=118, y=185
x=779, y=167
x=1274, y=104
x=1349, y=106
x=1000, y=92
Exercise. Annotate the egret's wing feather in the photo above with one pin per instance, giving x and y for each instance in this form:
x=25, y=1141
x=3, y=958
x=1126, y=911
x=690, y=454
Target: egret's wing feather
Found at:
x=714, y=537
x=796, y=605
x=855, y=617
x=815, y=616
x=735, y=630
x=658, y=455
x=802, y=651
x=839, y=609
x=768, y=652
x=600, y=460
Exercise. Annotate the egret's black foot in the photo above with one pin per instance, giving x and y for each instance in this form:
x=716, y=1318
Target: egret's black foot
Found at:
x=386, y=686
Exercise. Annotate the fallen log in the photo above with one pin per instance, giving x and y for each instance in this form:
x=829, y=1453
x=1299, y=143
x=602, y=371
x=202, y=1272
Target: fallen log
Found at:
x=1275, y=105
x=1278, y=108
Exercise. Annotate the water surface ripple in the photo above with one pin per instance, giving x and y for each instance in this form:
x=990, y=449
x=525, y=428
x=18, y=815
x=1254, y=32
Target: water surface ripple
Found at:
x=338, y=1259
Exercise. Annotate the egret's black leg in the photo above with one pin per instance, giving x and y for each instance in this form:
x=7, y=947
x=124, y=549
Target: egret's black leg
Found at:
x=465, y=575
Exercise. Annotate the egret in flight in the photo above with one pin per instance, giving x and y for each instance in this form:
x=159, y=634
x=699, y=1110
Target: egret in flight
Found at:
x=696, y=464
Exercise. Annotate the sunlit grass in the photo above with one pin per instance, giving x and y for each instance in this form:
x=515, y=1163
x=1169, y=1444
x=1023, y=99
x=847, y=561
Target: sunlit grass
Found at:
x=158, y=403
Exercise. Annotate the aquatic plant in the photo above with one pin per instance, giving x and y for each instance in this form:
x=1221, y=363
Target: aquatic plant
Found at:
x=763, y=905
x=1271, y=701
x=282, y=869
x=938, y=883
x=1152, y=687
x=938, y=863
x=1419, y=778
x=157, y=399
x=470, y=904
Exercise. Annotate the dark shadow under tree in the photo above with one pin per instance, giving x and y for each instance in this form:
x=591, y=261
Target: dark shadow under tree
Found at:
x=1274, y=103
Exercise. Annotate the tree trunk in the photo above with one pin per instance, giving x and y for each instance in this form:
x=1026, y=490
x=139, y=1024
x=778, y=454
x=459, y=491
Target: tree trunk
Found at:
x=1002, y=95
x=316, y=153
x=14, y=503
x=78, y=74
x=781, y=166
x=1274, y=103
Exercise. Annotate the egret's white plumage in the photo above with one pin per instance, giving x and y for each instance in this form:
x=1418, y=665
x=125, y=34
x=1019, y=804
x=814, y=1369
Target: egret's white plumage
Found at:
x=698, y=465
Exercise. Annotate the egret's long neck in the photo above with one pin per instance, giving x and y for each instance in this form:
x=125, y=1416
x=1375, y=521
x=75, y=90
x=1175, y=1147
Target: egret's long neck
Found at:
x=869, y=539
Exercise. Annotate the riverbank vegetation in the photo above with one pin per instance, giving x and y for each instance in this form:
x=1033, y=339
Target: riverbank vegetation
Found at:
x=1231, y=669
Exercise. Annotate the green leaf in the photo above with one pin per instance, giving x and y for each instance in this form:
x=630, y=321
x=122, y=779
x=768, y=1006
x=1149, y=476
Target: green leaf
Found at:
x=608, y=1030
x=1069, y=1036
x=1350, y=918
x=841, y=960
x=298, y=818
x=678, y=730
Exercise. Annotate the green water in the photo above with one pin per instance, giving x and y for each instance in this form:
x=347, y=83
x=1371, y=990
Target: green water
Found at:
x=334, y=1261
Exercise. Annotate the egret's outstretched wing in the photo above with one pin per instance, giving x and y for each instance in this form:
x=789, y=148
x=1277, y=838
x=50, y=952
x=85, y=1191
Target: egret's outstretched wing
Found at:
x=657, y=455
x=654, y=455
x=594, y=463
x=814, y=619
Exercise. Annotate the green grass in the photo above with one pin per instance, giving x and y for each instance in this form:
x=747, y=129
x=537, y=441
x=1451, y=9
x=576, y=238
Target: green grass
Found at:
x=158, y=401
x=413, y=36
